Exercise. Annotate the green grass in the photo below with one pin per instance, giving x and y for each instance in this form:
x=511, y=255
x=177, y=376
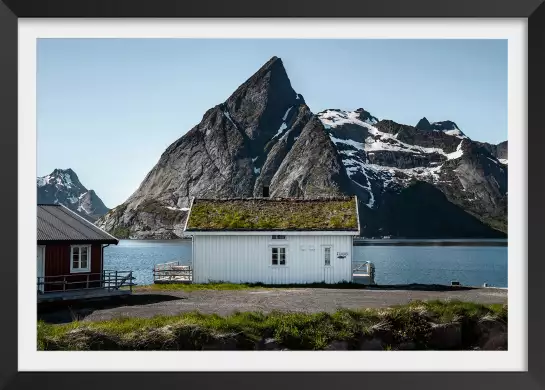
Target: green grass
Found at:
x=158, y=209
x=120, y=232
x=294, y=330
x=339, y=213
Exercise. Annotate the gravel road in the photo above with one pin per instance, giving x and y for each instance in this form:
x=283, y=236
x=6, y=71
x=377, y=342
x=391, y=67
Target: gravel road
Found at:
x=149, y=304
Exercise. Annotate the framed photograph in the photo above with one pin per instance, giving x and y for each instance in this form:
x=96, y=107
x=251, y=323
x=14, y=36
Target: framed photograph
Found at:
x=300, y=191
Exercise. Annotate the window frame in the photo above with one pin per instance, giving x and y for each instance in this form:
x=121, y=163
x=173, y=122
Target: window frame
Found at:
x=80, y=269
x=278, y=248
x=330, y=247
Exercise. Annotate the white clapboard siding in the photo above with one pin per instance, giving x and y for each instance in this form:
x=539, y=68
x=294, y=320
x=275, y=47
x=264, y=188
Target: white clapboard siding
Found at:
x=247, y=259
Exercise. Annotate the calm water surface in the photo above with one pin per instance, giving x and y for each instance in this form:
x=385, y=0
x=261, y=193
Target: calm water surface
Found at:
x=399, y=262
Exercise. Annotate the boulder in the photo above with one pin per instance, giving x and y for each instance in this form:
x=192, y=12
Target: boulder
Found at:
x=492, y=333
x=497, y=342
x=383, y=332
x=222, y=344
x=268, y=344
x=446, y=336
x=371, y=344
x=406, y=346
x=337, y=346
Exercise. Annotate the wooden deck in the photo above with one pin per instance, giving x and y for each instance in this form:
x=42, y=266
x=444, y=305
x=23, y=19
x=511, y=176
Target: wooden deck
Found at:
x=85, y=286
x=80, y=294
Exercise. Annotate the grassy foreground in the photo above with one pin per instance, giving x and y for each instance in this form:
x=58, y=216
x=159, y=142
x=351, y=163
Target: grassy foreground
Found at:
x=408, y=323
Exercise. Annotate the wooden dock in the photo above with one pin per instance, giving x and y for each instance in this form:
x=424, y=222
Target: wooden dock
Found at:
x=172, y=272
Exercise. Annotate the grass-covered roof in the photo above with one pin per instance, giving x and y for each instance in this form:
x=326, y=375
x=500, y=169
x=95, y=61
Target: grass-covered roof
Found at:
x=273, y=214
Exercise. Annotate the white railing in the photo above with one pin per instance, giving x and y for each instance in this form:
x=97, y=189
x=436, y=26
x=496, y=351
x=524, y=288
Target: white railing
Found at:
x=365, y=267
x=172, y=272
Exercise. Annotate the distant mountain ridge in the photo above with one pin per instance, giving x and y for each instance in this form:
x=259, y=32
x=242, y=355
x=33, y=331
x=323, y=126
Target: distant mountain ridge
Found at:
x=423, y=181
x=62, y=186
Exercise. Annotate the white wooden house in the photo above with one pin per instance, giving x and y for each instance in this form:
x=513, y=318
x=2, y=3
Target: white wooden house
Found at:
x=273, y=241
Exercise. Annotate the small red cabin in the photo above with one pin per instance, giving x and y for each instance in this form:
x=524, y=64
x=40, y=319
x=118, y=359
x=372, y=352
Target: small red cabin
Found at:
x=70, y=262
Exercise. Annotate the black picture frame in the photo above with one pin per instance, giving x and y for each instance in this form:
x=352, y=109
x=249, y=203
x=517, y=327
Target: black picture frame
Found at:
x=533, y=10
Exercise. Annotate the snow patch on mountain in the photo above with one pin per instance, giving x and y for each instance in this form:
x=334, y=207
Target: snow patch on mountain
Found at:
x=286, y=114
x=449, y=128
x=335, y=118
x=377, y=140
x=457, y=154
x=42, y=181
x=356, y=155
x=177, y=208
x=284, y=125
x=354, y=144
x=456, y=133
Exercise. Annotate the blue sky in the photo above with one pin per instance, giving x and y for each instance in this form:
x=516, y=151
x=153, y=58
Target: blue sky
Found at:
x=108, y=108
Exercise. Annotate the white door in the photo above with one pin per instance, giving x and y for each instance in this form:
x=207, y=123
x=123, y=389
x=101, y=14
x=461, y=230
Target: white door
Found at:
x=327, y=261
x=40, y=264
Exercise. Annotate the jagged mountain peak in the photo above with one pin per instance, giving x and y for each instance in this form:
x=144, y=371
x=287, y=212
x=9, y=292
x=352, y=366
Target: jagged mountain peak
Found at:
x=257, y=108
x=61, y=178
x=448, y=127
x=62, y=186
x=264, y=135
x=424, y=124
x=445, y=126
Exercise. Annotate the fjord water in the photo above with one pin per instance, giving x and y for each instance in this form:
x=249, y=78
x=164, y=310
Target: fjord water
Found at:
x=472, y=263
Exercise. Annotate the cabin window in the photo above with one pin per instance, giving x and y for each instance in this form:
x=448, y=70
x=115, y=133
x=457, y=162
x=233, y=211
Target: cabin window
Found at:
x=80, y=258
x=278, y=256
x=327, y=256
x=278, y=237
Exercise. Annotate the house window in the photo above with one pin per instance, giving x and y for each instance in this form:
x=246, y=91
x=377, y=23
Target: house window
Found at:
x=278, y=256
x=80, y=258
x=327, y=256
x=278, y=237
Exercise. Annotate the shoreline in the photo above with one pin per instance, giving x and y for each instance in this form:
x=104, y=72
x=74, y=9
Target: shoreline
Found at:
x=361, y=241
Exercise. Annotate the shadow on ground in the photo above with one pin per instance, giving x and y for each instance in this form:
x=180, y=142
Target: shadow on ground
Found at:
x=69, y=311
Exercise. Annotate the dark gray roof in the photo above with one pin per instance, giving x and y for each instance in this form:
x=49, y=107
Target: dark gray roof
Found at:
x=58, y=223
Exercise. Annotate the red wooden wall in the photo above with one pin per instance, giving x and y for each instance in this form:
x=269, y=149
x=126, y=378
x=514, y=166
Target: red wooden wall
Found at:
x=57, y=266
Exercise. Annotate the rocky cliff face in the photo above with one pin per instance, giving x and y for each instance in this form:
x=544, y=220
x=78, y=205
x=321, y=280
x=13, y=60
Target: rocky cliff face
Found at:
x=62, y=186
x=499, y=151
x=389, y=162
x=425, y=181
